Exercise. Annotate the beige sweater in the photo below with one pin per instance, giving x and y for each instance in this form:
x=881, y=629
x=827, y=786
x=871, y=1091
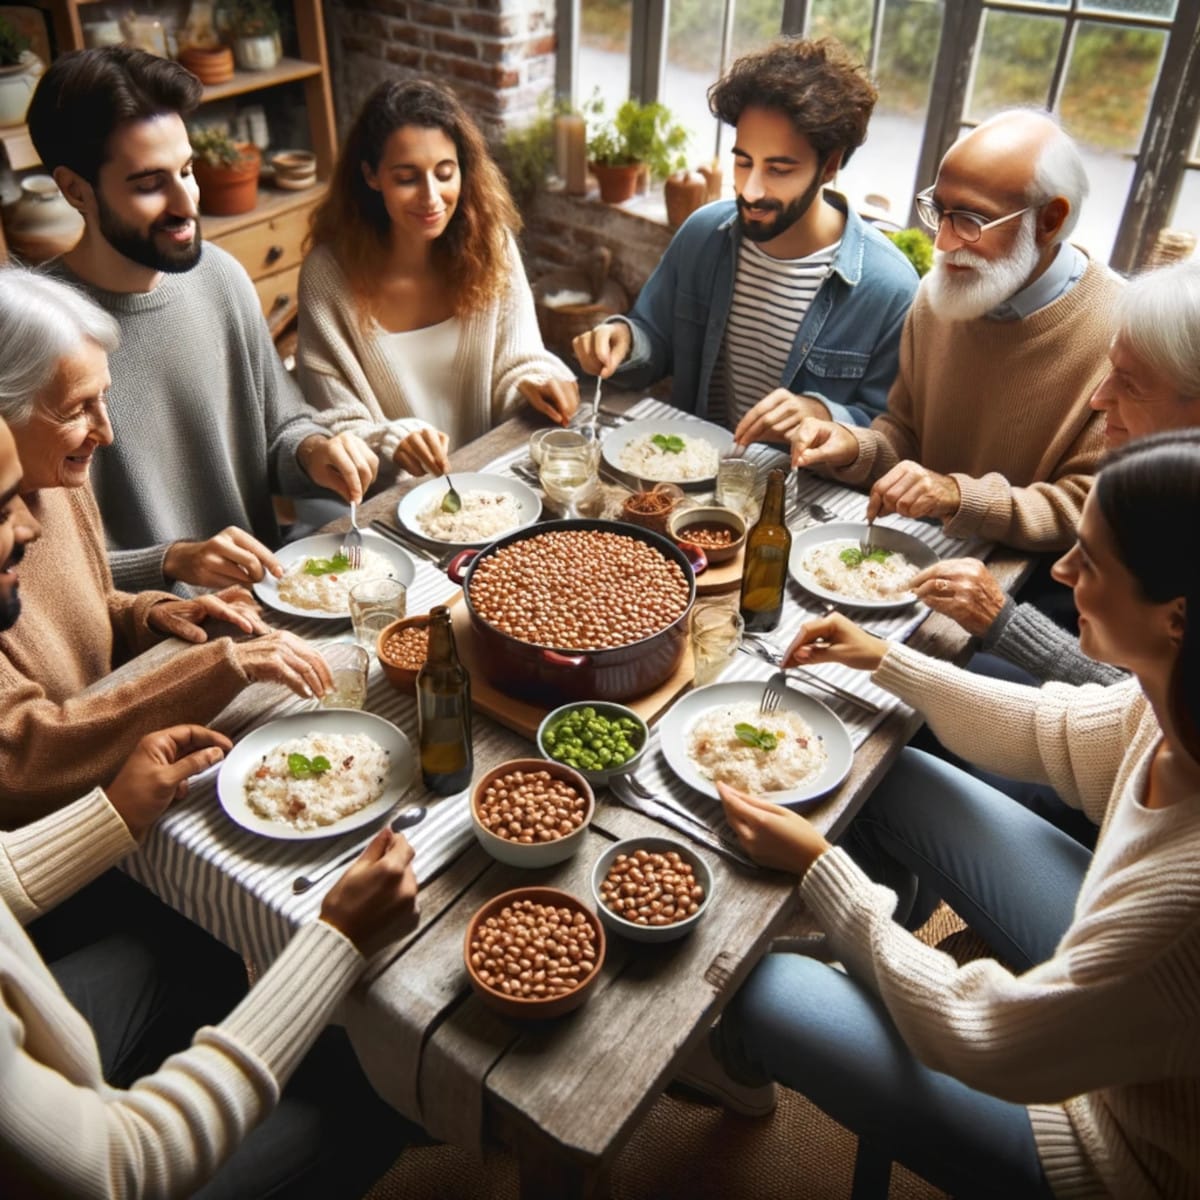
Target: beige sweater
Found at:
x=74, y=628
x=63, y=1131
x=348, y=377
x=1102, y=1041
x=1002, y=406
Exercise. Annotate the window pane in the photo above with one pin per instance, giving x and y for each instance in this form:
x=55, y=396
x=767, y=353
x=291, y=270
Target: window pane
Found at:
x=1110, y=177
x=1187, y=208
x=604, y=50
x=755, y=23
x=693, y=64
x=1109, y=82
x=885, y=166
x=1135, y=8
x=1015, y=63
x=847, y=20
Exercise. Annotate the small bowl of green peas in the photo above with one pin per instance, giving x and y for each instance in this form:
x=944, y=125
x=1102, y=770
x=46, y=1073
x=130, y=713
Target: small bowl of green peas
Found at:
x=596, y=737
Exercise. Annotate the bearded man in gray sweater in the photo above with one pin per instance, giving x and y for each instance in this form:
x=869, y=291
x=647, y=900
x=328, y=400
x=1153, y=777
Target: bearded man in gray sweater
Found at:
x=208, y=424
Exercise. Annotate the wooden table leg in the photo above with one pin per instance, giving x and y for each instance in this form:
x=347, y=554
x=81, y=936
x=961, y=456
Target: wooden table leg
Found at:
x=546, y=1171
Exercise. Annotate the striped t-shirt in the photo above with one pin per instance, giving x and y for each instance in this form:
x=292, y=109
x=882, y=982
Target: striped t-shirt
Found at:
x=770, y=299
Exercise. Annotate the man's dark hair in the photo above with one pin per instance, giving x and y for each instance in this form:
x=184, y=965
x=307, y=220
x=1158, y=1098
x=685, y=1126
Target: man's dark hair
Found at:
x=823, y=89
x=87, y=94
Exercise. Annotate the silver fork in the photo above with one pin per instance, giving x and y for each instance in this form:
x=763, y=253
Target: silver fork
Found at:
x=866, y=545
x=352, y=543
x=760, y=649
x=773, y=694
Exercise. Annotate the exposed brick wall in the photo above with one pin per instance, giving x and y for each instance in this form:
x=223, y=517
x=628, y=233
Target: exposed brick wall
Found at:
x=497, y=55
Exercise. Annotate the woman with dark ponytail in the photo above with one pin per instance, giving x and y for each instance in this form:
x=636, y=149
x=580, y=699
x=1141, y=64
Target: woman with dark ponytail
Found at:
x=1068, y=1065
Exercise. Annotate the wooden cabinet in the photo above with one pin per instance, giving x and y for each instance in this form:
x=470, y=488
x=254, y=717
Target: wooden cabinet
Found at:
x=266, y=241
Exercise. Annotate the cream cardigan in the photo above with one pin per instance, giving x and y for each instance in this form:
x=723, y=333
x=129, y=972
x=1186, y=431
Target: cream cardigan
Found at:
x=63, y=1130
x=347, y=376
x=1101, y=1041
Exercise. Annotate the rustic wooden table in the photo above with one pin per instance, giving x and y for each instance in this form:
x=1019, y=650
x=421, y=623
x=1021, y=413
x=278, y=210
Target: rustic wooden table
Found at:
x=565, y=1094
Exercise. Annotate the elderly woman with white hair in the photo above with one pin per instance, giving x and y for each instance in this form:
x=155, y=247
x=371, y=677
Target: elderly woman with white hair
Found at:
x=1152, y=386
x=56, y=743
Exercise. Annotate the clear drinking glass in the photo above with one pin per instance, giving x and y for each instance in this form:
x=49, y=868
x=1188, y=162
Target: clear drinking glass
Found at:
x=375, y=604
x=736, y=480
x=568, y=466
x=348, y=663
x=716, y=633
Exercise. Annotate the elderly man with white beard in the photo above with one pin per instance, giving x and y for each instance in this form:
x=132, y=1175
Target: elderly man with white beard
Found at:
x=988, y=427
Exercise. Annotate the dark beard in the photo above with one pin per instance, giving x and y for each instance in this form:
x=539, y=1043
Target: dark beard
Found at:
x=768, y=231
x=143, y=250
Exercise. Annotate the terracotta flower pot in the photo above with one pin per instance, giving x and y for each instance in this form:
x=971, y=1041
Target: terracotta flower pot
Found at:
x=227, y=191
x=683, y=193
x=617, y=184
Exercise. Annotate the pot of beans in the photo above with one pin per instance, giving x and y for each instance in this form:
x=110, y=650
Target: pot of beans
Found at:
x=528, y=812
x=718, y=532
x=651, y=889
x=534, y=952
x=581, y=609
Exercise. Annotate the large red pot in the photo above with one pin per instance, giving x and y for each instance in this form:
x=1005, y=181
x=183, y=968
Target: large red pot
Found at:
x=551, y=675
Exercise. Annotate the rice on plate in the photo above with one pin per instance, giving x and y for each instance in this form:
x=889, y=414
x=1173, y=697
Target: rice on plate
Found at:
x=483, y=517
x=670, y=458
x=323, y=584
x=841, y=567
x=755, y=752
x=312, y=781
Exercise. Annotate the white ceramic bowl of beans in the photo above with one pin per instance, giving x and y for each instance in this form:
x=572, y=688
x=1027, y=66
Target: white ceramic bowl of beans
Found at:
x=530, y=812
x=641, y=891
x=610, y=711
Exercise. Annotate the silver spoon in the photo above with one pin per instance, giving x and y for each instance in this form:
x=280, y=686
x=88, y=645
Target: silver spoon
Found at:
x=451, y=501
x=409, y=817
x=820, y=513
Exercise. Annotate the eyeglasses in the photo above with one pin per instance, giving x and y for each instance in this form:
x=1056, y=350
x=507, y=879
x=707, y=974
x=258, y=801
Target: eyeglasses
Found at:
x=967, y=226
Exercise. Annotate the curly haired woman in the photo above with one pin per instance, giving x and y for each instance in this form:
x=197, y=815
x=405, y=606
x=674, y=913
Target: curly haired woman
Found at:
x=417, y=327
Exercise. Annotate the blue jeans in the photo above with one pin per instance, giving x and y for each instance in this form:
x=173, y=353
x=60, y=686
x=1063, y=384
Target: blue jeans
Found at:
x=1014, y=878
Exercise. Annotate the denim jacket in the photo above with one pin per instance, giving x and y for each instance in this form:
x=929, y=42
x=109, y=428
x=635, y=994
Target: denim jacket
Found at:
x=846, y=351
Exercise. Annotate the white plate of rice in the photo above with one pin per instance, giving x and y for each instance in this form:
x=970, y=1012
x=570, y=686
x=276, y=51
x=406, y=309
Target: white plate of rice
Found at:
x=260, y=793
x=324, y=596
x=815, y=564
x=493, y=505
x=631, y=450
x=699, y=742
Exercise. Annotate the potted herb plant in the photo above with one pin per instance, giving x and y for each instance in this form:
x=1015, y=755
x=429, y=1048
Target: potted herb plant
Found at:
x=638, y=136
x=226, y=172
x=19, y=71
x=254, y=26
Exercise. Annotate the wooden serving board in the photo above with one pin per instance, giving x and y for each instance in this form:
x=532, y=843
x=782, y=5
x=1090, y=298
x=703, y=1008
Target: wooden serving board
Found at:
x=724, y=577
x=524, y=716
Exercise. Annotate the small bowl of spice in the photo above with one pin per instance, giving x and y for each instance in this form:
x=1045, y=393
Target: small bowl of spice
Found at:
x=719, y=532
x=534, y=952
x=402, y=647
x=531, y=813
x=651, y=889
x=652, y=509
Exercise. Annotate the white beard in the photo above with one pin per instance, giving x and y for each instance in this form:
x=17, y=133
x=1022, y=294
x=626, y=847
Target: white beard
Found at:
x=967, y=296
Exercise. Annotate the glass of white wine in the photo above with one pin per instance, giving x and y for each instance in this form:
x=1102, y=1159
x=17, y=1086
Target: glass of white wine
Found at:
x=568, y=466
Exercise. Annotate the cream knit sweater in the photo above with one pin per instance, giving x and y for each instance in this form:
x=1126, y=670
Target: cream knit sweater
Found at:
x=1002, y=407
x=1103, y=1040
x=346, y=374
x=63, y=1131
x=74, y=628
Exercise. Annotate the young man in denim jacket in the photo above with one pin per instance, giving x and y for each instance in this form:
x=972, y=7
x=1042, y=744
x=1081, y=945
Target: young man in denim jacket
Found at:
x=781, y=304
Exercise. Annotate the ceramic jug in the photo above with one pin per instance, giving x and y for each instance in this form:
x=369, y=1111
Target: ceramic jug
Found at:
x=41, y=224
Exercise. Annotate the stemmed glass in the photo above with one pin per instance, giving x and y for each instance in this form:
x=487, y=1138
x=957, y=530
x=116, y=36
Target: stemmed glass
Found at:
x=568, y=465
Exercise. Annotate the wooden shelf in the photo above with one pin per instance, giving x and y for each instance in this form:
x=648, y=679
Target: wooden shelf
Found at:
x=272, y=202
x=287, y=70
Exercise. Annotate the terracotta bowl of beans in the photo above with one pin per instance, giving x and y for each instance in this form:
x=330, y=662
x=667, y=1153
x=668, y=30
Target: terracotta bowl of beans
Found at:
x=597, y=737
x=651, y=889
x=528, y=812
x=534, y=952
x=719, y=532
x=401, y=648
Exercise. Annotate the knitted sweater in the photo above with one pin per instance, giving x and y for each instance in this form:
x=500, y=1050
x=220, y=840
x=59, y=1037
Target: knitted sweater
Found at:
x=1102, y=1041
x=347, y=375
x=74, y=627
x=63, y=1130
x=1024, y=635
x=1002, y=407
x=207, y=421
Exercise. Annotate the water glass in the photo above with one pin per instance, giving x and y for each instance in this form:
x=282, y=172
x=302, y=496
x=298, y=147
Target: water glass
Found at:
x=568, y=465
x=736, y=480
x=348, y=663
x=375, y=604
x=716, y=633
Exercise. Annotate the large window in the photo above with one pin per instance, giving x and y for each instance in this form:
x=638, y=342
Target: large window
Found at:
x=1122, y=75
